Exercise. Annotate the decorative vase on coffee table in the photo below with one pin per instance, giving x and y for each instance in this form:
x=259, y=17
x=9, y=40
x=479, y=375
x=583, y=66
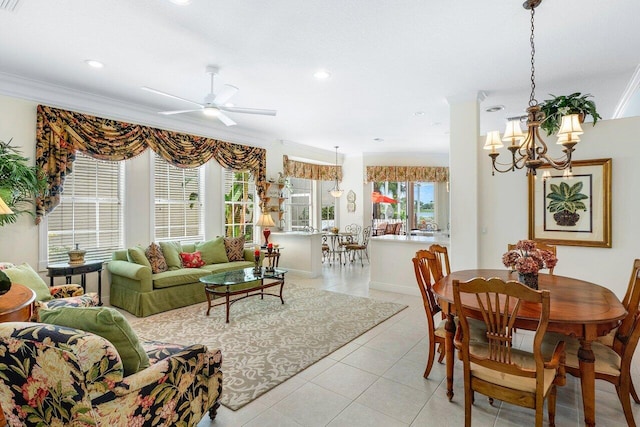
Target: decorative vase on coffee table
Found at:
x=529, y=279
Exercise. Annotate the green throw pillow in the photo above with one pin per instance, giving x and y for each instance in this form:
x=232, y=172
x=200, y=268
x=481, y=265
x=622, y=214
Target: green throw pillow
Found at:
x=25, y=275
x=137, y=256
x=213, y=251
x=171, y=251
x=107, y=323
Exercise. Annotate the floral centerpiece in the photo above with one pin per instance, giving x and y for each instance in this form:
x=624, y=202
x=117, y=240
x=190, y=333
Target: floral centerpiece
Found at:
x=527, y=259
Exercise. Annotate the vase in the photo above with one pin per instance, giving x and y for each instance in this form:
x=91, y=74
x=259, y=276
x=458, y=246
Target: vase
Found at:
x=257, y=269
x=529, y=279
x=76, y=256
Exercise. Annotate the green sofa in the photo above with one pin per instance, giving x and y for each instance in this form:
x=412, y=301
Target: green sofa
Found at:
x=139, y=291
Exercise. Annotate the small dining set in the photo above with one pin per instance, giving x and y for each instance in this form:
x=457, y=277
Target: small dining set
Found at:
x=577, y=328
x=338, y=247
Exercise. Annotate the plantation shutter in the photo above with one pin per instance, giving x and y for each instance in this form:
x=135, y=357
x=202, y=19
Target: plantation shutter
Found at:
x=90, y=212
x=178, y=202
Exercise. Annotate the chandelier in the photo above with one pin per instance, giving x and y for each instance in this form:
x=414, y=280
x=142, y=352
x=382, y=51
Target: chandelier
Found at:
x=336, y=191
x=530, y=150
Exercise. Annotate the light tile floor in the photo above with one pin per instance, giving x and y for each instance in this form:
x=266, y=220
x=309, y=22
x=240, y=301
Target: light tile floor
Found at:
x=376, y=380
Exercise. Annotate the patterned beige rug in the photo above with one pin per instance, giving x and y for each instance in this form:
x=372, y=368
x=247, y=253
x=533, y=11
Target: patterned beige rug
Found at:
x=266, y=342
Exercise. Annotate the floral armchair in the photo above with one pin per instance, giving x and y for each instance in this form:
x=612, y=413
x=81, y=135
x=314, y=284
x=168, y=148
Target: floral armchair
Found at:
x=53, y=375
x=69, y=295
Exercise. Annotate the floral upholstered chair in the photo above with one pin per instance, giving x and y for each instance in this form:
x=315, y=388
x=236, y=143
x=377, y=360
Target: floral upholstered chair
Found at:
x=56, y=296
x=59, y=376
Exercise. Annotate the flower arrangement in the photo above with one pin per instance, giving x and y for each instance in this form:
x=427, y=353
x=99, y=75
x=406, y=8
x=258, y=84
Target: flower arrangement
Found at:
x=526, y=258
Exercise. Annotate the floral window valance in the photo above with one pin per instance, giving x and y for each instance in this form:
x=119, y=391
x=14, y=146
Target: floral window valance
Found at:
x=407, y=173
x=60, y=133
x=310, y=171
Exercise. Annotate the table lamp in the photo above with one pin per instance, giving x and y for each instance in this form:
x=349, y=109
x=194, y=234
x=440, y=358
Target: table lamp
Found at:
x=265, y=221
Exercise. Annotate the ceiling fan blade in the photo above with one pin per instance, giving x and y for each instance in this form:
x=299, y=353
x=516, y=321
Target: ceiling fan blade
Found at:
x=225, y=119
x=225, y=94
x=148, y=89
x=168, y=113
x=248, y=110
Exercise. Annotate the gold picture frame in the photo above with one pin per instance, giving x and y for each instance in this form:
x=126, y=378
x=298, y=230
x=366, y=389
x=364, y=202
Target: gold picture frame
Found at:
x=572, y=208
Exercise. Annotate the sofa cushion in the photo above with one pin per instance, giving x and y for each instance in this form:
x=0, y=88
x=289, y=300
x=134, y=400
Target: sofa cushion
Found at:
x=25, y=275
x=109, y=324
x=136, y=255
x=213, y=251
x=191, y=259
x=156, y=258
x=183, y=276
x=233, y=265
x=171, y=252
x=235, y=248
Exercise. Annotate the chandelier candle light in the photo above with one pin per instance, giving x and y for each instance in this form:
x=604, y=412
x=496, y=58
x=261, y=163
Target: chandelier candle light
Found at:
x=530, y=151
x=336, y=191
x=265, y=221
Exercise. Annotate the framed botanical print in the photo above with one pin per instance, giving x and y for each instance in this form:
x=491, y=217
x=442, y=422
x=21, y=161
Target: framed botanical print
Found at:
x=572, y=208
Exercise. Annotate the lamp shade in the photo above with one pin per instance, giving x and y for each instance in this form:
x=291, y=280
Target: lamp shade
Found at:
x=570, y=126
x=513, y=132
x=493, y=141
x=336, y=192
x=265, y=220
x=4, y=209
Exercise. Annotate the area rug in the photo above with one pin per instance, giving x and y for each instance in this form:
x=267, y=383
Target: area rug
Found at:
x=267, y=342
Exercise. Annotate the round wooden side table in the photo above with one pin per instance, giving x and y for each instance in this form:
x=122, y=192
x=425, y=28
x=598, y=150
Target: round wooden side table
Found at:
x=16, y=306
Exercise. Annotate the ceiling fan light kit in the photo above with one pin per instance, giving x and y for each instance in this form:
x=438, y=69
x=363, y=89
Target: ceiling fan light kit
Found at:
x=215, y=104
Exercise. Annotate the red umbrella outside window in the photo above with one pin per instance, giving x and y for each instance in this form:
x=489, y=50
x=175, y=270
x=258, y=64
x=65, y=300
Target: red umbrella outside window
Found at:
x=379, y=198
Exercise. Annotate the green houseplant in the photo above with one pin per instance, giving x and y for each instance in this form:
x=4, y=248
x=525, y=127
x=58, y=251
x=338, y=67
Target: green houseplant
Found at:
x=19, y=183
x=565, y=203
x=559, y=106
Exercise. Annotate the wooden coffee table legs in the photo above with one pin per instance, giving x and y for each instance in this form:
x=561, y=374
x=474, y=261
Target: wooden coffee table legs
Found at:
x=227, y=293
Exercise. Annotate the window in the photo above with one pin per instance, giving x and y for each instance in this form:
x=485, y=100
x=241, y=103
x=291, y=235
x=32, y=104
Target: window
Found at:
x=423, y=204
x=90, y=211
x=327, y=205
x=300, y=207
x=239, y=204
x=178, y=202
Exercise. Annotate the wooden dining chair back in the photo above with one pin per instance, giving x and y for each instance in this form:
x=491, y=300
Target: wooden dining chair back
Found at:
x=495, y=368
x=539, y=245
x=437, y=333
x=613, y=357
x=440, y=266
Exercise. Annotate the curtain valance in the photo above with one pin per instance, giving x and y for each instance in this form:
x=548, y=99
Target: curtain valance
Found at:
x=297, y=169
x=407, y=173
x=60, y=133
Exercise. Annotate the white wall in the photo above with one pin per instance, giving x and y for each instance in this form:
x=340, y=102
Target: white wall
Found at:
x=503, y=207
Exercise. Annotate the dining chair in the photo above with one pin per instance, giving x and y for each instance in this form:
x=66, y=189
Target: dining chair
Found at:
x=441, y=266
x=614, y=352
x=437, y=334
x=539, y=245
x=390, y=228
x=398, y=228
x=495, y=368
x=380, y=229
x=360, y=247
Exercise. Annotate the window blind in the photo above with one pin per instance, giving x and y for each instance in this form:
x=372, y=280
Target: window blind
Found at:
x=178, y=206
x=90, y=212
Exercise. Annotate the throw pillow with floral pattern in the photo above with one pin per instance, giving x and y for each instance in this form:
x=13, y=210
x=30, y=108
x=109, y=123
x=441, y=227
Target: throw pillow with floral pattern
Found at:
x=191, y=259
x=156, y=258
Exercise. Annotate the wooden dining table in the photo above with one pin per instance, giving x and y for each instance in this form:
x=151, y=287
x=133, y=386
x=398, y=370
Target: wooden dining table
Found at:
x=577, y=308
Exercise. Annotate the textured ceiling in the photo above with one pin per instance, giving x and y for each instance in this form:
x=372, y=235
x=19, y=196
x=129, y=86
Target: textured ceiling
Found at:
x=388, y=59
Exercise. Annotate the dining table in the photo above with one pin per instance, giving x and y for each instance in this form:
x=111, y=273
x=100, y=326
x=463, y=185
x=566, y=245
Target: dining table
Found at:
x=578, y=308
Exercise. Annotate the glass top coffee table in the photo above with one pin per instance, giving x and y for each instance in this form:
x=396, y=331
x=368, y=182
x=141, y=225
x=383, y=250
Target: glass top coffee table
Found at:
x=238, y=282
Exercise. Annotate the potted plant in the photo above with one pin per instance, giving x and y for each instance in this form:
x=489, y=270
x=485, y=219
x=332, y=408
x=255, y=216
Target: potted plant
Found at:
x=565, y=202
x=559, y=106
x=19, y=183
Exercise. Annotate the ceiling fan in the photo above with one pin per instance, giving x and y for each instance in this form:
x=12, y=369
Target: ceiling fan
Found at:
x=214, y=103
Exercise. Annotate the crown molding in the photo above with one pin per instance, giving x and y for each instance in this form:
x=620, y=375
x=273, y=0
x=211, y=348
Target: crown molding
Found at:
x=628, y=94
x=88, y=103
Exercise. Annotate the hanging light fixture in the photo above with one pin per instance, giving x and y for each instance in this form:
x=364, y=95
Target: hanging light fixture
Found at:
x=530, y=150
x=336, y=191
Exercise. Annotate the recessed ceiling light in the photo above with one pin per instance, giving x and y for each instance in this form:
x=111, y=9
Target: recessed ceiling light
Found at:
x=378, y=139
x=93, y=63
x=419, y=113
x=494, y=108
x=181, y=2
x=322, y=74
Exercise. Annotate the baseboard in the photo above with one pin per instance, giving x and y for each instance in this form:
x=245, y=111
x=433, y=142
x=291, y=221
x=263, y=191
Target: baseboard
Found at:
x=389, y=287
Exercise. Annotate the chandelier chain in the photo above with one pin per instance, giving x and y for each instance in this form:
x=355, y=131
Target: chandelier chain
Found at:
x=532, y=97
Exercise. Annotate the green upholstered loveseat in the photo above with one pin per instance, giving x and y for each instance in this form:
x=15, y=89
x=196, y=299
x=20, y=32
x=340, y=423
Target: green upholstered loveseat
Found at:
x=139, y=291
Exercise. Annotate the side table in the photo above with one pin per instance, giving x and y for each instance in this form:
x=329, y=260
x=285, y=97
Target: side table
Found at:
x=16, y=306
x=273, y=257
x=67, y=270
